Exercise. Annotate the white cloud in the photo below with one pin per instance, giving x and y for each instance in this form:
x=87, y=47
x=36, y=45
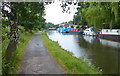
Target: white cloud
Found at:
x=54, y=13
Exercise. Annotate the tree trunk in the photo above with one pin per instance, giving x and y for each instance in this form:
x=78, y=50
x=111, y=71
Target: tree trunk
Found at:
x=13, y=40
x=13, y=19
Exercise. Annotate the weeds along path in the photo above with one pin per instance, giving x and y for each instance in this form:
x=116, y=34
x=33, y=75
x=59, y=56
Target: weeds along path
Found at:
x=37, y=60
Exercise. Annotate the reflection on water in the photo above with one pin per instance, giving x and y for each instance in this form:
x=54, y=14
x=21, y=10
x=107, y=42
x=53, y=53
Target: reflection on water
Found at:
x=99, y=52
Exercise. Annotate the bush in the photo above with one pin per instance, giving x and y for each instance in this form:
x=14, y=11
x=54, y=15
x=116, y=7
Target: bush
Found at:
x=24, y=36
x=77, y=26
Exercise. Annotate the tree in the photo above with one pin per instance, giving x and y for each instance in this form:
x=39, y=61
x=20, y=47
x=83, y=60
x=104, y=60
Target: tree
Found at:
x=98, y=13
x=12, y=15
x=79, y=18
x=50, y=25
x=27, y=14
x=31, y=15
x=70, y=22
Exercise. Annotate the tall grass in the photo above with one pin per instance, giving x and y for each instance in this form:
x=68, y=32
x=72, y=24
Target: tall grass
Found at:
x=71, y=65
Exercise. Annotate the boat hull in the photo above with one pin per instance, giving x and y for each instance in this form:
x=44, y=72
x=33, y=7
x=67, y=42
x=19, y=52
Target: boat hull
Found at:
x=75, y=31
x=110, y=37
x=51, y=28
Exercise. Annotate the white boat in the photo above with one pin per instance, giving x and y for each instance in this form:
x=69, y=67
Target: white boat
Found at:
x=51, y=28
x=111, y=34
x=89, y=31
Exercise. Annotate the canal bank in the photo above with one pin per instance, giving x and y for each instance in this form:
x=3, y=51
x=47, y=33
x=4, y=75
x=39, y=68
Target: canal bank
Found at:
x=71, y=64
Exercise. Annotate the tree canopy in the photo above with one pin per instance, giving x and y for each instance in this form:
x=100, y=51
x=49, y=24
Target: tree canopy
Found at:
x=26, y=14
x=29, y=14
x=98, y=14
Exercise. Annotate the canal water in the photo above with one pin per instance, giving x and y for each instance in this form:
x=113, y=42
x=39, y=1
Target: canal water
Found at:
x=101, y=53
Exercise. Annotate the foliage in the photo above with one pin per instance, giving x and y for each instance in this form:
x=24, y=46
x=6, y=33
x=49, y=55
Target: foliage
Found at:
x=50, y=25
x=19, y=21
x=98, y=13
x=70, y=22
x=13, y=65
x=71, y=65
x=77, y=26
x=72, y=26
x=5, y=29
x=79, y=17
x=76, y=19
x=27, y=14
x=32, y=15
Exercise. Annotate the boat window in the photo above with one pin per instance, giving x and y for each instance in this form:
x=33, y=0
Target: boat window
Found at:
x=117, y=30
x=106, y=30
x=87, y=30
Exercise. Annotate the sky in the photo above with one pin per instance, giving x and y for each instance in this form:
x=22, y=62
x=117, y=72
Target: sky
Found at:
x=55, y=15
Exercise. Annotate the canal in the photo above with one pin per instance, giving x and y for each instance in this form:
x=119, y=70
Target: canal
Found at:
x=101, y=53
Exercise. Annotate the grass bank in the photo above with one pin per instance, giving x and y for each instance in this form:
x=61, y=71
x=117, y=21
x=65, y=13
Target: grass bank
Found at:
x=14, y=64
x=70, y=64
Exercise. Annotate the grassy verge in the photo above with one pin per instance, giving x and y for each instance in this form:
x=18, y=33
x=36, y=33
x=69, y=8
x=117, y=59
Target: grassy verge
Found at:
x=71, y=65
x=13, y=66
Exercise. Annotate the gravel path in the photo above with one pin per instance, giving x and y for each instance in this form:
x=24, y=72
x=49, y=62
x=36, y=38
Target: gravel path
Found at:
x=37, y=60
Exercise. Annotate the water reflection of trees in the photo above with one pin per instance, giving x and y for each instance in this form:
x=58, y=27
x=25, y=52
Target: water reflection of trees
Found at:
x=105, y=57
x=51, y=32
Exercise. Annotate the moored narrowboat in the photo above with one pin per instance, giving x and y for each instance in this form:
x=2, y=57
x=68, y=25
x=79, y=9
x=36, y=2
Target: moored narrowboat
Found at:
x=75, y=31
x=111, y=34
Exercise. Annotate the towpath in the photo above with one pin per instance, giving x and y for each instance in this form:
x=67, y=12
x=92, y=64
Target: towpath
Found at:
x=37, y=60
